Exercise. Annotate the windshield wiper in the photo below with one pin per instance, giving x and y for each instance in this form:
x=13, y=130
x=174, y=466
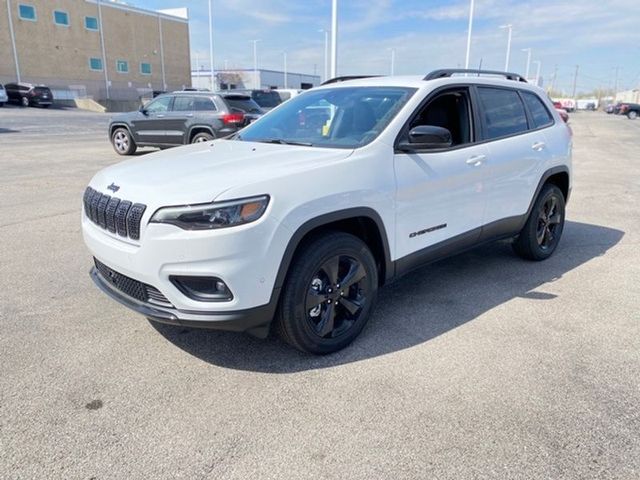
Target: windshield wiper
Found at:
x=285, y=142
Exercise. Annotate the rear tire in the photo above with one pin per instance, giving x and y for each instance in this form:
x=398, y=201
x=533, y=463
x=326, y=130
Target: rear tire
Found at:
x=24, y=101
x=541, y=234
x=122, y=142
x=202, y=137
x=329, y=294
x=632, y=115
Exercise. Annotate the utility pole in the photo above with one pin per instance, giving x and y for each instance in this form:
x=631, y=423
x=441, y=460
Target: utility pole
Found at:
x=213, y=74
x=537, y=71
x=509, y=27
x=326, y=53
x=615, y=84
x=553, y=79
x=285, y=70
x=13, y=41
x=334, y=39
x=466, y=61
x=255, y=64
x=526, y=74
x=575, y=82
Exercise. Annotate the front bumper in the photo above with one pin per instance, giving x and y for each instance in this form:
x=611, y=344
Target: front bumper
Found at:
x=255, y=321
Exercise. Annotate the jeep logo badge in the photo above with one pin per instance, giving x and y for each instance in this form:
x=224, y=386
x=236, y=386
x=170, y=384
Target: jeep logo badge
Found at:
x=113, y=187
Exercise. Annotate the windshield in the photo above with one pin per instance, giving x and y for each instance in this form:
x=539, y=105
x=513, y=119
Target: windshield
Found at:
x=341, y=117
x=266, y=99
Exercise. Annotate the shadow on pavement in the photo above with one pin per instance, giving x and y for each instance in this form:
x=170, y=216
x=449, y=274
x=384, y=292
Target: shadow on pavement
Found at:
x=427, y=303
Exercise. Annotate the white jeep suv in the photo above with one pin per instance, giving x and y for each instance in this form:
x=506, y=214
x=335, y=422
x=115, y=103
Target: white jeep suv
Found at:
x=301, y=216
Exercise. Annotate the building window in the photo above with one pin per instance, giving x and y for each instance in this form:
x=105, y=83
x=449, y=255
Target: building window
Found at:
x=145, y=68
x=61, y=18
x=91, y=23
x=27, y=12
x=122, y=66
x=95, y=64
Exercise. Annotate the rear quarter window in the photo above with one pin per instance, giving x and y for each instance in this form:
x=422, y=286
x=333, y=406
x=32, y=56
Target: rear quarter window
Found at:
x=242, y=103
x=503, y=113
x=539, y=113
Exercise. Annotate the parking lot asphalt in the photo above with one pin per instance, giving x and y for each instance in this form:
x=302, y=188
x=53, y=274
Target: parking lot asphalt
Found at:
x=479, y=366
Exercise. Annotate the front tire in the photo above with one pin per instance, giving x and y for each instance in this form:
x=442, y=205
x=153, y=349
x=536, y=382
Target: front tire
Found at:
x=541, y=234
x=632, y=115
x=122, y=142
x=24, y=101
x=329, y=294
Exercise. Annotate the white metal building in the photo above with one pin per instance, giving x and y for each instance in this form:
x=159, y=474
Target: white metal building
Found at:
x=248, y=78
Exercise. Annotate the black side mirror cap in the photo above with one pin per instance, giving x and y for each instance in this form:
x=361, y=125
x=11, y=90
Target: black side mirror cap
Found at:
x=424, y=137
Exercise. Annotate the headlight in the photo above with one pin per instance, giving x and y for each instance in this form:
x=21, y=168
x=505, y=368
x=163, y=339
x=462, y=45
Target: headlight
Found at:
x=213, y=215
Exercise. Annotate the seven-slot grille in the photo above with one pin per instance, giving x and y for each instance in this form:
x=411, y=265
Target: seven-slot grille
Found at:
x=132, y=288
x=113, y=214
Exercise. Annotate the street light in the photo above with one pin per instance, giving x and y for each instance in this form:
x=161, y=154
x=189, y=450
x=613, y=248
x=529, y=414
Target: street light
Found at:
x=326, y=53
x=255, y=63
x=393, y=61
x=537, y=71
x=285, y=69
x=334, y=38
x=526, y=74
x=213, y=82
x=509, y=28
x=466, y=61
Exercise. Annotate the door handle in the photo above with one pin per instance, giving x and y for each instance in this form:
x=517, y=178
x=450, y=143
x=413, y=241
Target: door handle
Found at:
x=189, y=115
x=537, y=146
x=160, y=115
x=476, y=160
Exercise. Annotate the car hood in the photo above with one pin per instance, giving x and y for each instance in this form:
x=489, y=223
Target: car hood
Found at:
x=201, y=172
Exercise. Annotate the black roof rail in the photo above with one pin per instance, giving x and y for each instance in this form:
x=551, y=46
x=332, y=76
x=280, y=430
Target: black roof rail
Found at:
x=448, y=72
x=347, y=77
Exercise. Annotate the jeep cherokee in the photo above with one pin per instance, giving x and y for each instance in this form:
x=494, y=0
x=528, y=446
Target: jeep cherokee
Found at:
x=301, y=216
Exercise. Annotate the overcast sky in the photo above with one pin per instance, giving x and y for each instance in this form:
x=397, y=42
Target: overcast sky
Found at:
x=598, y=35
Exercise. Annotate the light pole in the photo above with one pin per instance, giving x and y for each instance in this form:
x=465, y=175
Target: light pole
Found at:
x=255, y=63
x=537, y=71
x=213, y=74
x=334, y=38
x=393, y=61
x=509, y=28
x=466, y=61
x=285, y=69
x=526, y=74
x=326, y=53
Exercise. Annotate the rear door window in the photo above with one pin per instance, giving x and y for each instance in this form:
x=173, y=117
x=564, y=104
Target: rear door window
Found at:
x=183, y=104
x=539, y=113
x=503, y=112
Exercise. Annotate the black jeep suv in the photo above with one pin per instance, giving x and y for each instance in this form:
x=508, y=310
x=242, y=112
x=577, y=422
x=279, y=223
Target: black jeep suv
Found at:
x=29, y=95
x=180, y=118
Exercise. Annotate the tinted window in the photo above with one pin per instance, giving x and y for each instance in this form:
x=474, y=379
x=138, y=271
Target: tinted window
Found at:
x=145, y=68
x=203, y=104
x=183, y=103
x=266, y=99
x=61, y=18
x=503, y=112
x=27, y=12
x=158, y=105
x=95, y=63
x=122, y=66
x=539, y=112
x=448, y=110
x=242, y=103
x=91, y=23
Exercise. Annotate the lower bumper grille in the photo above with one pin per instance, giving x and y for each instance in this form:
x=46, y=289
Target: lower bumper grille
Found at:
x=132, y=288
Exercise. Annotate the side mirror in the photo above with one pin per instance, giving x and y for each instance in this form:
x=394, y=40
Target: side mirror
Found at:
x=143, y=110
x=425, y=137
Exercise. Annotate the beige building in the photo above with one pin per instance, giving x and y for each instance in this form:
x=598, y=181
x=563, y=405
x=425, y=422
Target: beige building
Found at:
x=97, y=48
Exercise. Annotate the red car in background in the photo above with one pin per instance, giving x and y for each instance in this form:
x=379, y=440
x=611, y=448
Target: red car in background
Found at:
x=563, y=113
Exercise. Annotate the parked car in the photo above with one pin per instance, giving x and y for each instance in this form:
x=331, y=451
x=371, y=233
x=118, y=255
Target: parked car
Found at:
x=27, y=94
x=266, y=99
x=3, y=96
x=631, y=110
x=609, y=108
x=180, y=118
x=301, y=225
x=564, y=115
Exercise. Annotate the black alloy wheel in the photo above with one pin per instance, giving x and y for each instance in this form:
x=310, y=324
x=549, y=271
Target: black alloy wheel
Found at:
x=329, y=293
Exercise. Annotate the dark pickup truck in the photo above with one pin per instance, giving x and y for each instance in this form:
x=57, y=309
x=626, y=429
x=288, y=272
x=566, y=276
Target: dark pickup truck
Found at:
x=631, y=110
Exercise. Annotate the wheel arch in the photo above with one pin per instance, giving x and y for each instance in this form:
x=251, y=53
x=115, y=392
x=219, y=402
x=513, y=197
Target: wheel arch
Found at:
x=116, y=125
x=558, y=176
x=196, y=129
x=362, y=222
